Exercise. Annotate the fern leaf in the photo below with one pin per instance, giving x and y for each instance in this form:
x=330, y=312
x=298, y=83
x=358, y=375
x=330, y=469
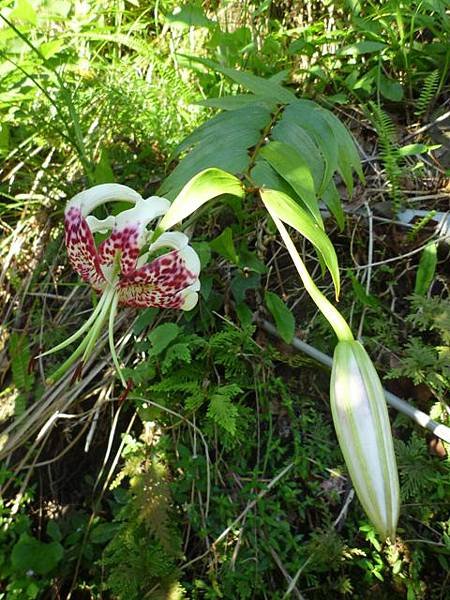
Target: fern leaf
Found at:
x=430, y=87
x=389, y=153
x=19, y=352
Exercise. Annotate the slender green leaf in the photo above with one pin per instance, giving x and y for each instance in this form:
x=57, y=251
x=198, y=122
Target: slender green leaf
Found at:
x=292, y=214
x=258, y=85
x=284, y=319
x=237, y=101
x=332, y=200
x=427, y=269
x=203, y=187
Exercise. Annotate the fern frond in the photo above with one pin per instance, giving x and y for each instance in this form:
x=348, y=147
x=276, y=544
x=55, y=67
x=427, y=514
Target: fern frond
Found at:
x=430, y=87
x=389, y=153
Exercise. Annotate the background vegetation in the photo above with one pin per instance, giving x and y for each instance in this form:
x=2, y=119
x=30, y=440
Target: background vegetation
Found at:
x=219, y=475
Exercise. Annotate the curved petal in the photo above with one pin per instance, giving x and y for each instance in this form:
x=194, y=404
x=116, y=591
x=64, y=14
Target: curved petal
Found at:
x=89, y=199
x=166, y=282
x=190, y=296
x=129, y=233
x=81, y=249
x=179, y=241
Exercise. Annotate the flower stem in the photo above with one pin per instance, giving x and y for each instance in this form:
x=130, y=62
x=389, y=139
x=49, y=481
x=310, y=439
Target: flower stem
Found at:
x=330, y=312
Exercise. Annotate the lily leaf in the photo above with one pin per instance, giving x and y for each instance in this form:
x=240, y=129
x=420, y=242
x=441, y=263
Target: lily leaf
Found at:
x=204, y=186
x=289, y=212
x=295, y=170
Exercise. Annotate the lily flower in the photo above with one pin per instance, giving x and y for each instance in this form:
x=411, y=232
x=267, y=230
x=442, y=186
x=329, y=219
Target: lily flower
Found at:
x=362, y=425
x=127, y=268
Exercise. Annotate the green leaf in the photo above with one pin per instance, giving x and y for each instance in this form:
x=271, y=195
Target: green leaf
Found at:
x=241, y=283
x=364, y=47
x=290, y=213
x=245, y=314
x=145, y=319
x=413, y=149
x=258, y=85
x=204, y=252
x=24, y=11
x=204, y=186
x=313, y=119
x=31, y=554
x=231, y=134
x=284, y=319
x=390, y=89
x=222, y=410
x=189, y=15
x=332, y=200
x=427, y=269
x=54, y=531
x=103, y=172
x=360, y=292
x=224, y=245
x=296, y=171
x=19, y=352
x=104, y=532
x=236, y=101
x=162, y=336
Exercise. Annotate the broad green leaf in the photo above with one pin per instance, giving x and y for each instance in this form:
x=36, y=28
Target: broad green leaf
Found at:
x=364, y=47
x=224, y=245
x=293, y=215
x=332, y=200
x=204, y=186
x=24, y=11
x=162, y=336
x=237, y=101
x=292, y=167
x=390, y=89
x=29, y=554
x=284, y=319
x=231, y=134
x=427, y=269
x=258, y=85
x=189, y=15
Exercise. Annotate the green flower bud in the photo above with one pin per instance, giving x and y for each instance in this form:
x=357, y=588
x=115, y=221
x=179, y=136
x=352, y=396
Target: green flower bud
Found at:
x=362, y=425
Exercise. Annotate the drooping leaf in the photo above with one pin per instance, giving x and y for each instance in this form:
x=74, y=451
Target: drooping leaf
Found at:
x=311, y=118
x=206, y=185
x=293, y=215
x=295, y=169
x=332, y=200
x=284, y=319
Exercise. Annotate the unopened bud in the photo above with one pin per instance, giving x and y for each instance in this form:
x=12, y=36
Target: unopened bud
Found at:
x=362, y=425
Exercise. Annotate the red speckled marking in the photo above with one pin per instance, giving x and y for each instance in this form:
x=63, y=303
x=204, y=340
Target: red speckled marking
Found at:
x=81, y=249
x=125, y=241
x=158, y=283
